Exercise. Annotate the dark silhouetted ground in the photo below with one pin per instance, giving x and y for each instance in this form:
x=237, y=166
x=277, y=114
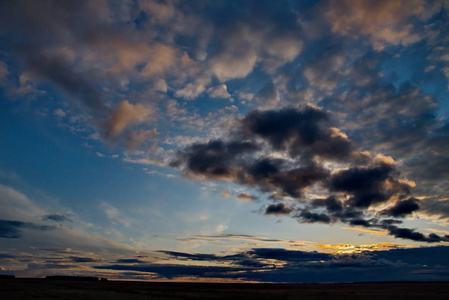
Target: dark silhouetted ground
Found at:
x=47, y=289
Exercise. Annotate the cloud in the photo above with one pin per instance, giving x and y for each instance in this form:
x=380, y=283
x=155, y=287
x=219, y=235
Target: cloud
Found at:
x=238, y=56
x=331, y=203
x=372, y=231
x=126, y=115
x=57, y=218
x=402, y=208
x=411, y=234
x=100, y=53
x=130, y=261
x=161, y=86
x=17, y=206
x=307, y=216
x=246, y=197
x=219, y=91
x=325, y=72
x=3, y=72
x=284, y=265
x=307, y=140
x=59, y=113
x=189, y=256
x=227, y=236
x=288, y=255
x=242, y=43
x=114, y=214
x=54, y=69
x=214, y=159
x=383, y=22
x=267, y=97
x=56, y=243
x=281, y=49
x=303, y=134
x=174, y=271
x=135, y=138
x=193, y=89
x=92, y=61
x=278, y=209
x=306, y=132
x=78, y=259
x=13, y=229
x=369, y=186
x=10, y=229
x=418, y=140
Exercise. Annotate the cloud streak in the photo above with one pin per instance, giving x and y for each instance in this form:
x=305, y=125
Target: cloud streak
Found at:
x=281, y=265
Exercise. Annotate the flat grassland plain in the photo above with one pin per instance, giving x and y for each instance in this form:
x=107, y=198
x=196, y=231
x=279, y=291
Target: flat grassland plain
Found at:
x=21, y=288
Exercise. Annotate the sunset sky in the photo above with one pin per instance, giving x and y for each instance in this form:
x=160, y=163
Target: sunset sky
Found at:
x=261, y=141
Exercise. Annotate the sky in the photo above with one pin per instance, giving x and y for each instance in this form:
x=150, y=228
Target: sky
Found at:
x=225, y=141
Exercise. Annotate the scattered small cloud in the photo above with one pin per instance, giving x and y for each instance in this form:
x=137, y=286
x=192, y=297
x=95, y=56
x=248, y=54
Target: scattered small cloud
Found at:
x=246, y=197
x=59, y=113
x=114, y=215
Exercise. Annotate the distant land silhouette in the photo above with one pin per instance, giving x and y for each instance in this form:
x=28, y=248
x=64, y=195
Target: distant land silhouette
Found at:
x=74, y=278
x=78, y=287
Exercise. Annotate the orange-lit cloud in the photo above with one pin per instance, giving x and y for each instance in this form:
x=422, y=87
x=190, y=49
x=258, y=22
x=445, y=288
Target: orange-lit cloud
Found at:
x=126, y=115
x=357, y=248
x=373, y=231
x=246, y=197
x=383, y=21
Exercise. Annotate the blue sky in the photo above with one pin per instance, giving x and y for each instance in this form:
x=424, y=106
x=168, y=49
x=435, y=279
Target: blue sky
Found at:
x=287, y=141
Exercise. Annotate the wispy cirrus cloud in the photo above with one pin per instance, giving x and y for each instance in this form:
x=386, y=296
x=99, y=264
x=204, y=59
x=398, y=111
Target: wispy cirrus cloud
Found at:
x=114, y=214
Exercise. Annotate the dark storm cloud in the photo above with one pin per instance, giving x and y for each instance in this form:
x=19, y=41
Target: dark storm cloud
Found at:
x=406, y=233
x=309, y=140
x=331, y=203
x=275, y=175
x=360, y=222
x=278, y=209
x=305, y=132
x=293, y=182
x=226, y=161
x=402, y=208
x=13, y=229
x=306, y=216
x=215, y=159
x=368, y=186
x=265, y=168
